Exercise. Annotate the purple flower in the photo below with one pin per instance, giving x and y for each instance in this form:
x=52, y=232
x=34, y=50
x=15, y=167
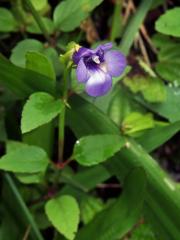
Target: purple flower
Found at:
x=96, y=67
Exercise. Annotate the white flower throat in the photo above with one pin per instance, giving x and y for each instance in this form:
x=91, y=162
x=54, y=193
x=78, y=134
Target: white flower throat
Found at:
x=96, y=59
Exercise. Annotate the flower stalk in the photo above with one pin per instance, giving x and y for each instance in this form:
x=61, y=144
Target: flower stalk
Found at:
x=62, y=116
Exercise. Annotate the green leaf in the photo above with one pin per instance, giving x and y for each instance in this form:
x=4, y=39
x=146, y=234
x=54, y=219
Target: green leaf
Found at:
x=18, y=55
x=152, y=89
x=168, y=23
x=169, y=62
x=136, y=122
x=12, y=198
x=133, y=26
x=30, y=178
x=117, y=219
x=26, y=178
x=23, y=82
x=90, y=206
x=42, y=137
x=63, y=212
x=69, y=14
x=40, y=63
x=39, y=109
x=39, y=4
x=162, y=199
x=33, y=27
x=25, y=159
x=170, y=107
x=143, y=232
x=155, y=137
x=91, y=150
x=7, y=21
x=20, y=50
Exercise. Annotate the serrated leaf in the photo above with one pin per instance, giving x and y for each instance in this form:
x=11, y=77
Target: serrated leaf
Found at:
x=69, y=14
x=7, y=21
x=168, y=23
x=25, y=159
x=40, y=109
x=91, y=150
x=63, y=213
x=117, y=219
x=40, y=63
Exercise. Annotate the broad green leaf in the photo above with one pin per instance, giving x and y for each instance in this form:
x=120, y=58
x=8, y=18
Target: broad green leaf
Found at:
x=39, y=4
x=20, y=50
x=23, y=82
x=63, y=212
x=39, y=109
x=69, y=14
x=155, y=137
x=38, y=62
x=89, y=207
x=169, y=62
x=170, y=107
x=91, y=150
x=7, y=21
x=136, y=122
x=118, y=105
x=162, y=198
x=152, y=89
x=143, y=232
x=97, y=174
x=160, y=41
x=117, y=219
x=27, y=178
x=168, y=23
x=25, y=159
x=18, y=55
x=30, y=178
x=34, y=28
x=42, y=137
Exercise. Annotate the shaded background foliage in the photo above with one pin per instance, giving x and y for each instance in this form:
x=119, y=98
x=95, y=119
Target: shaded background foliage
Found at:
x=105, y=186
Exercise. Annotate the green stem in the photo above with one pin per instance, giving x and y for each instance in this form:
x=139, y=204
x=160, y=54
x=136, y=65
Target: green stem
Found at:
x=27, y=215
x=116, y=21
x=62, y=116
x=19, y=11
x=38, y=19
x=134, y=25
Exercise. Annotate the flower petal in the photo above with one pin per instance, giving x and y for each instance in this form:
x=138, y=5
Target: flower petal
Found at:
x=82, y=72
x=115, y=62
x=105, y=47
x=82, y=52
x=98, y=84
